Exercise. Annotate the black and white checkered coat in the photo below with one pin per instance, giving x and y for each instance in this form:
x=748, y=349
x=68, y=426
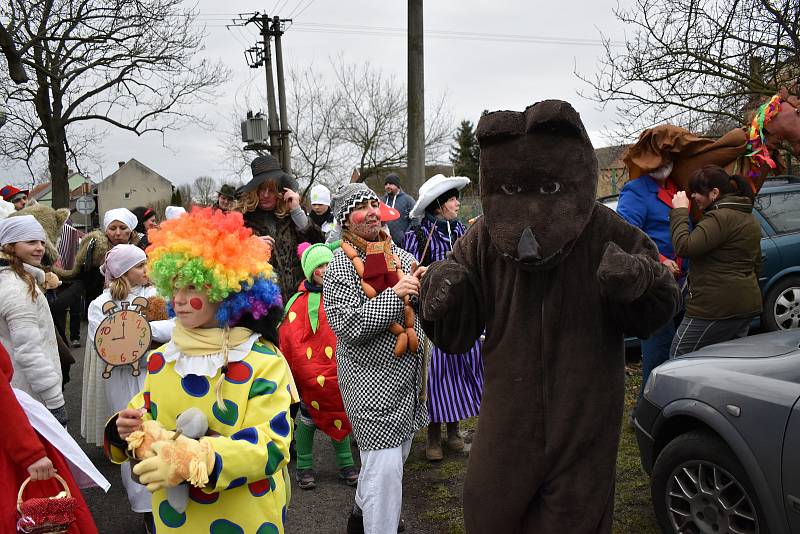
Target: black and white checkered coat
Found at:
x=381, y=392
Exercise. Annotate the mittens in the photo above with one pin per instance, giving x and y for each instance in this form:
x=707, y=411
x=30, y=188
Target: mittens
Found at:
x=175, y=461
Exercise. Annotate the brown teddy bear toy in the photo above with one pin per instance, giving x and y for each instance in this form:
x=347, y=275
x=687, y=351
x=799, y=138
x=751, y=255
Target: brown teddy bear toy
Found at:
x=555, y=280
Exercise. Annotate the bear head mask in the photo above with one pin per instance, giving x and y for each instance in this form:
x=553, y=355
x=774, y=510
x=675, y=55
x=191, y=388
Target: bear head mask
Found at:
x=538, y=181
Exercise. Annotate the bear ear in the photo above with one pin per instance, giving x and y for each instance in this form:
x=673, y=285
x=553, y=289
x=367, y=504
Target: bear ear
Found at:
x=62, y=214
x=499, y=125
x=555, y=117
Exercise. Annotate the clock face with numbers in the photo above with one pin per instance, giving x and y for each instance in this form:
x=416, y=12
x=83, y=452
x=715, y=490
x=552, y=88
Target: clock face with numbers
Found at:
x=123, y=336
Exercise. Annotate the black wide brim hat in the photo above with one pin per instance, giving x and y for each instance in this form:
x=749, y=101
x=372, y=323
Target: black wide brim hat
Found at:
x=267, y=168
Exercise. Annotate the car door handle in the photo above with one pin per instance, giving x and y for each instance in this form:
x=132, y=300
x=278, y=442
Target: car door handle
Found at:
x=795, y=502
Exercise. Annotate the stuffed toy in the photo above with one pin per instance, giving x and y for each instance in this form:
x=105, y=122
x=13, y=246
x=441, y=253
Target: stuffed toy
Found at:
x=52, y=221
x=156, y=309
x=555, y=280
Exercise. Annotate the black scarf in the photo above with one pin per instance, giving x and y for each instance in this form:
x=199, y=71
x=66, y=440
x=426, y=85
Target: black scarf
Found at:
x=319, y=220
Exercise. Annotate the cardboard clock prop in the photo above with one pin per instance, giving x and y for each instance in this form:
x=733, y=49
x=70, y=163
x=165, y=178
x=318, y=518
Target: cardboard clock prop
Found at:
x=124, y=336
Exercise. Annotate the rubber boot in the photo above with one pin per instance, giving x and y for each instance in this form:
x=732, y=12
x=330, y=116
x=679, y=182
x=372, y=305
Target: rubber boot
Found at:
x=454, y=439
x=433, y=449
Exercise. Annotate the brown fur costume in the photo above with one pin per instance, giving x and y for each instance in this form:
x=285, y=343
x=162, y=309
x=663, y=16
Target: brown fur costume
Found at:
x=555, y=279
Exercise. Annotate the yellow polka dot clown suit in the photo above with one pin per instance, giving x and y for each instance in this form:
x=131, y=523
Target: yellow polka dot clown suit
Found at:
x=234, y=375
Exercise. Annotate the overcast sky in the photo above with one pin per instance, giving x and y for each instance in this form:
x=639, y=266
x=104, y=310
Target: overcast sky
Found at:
x=474, y=74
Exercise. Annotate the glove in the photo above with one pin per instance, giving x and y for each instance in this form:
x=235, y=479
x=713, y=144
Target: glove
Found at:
x=60, y=414
x=625, y=277
x=175, y=461
x=440, y=288
x=140, y=442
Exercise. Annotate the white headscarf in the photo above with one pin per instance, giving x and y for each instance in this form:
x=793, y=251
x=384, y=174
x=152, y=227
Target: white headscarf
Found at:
x=121, y=259
x=22, y=228
x=123, y=215
x=173, y=212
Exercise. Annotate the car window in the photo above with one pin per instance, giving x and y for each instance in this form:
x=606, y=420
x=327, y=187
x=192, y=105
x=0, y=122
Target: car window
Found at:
x=781, y=210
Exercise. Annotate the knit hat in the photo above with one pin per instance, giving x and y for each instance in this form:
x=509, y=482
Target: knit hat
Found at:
x=213, y=249
x=320, y=195
x=350, y=196
x=22, y=228
x=392, y=178
x=312, y=256
x=9, y=192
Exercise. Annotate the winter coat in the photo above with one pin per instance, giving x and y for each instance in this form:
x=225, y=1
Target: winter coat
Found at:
x=28, y=334
x=646, y=205
x=381, y=392
x=725, y=253
x=404, y=203
x=310, y=357
x=287, y=236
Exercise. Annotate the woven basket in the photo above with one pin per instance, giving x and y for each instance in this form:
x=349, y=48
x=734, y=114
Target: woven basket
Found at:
x=43, y=515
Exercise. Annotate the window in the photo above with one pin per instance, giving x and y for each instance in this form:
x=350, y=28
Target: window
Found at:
x=781, y=210
x=126, y=195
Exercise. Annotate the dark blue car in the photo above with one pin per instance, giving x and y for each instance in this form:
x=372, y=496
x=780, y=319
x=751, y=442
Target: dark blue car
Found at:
x=778, y=210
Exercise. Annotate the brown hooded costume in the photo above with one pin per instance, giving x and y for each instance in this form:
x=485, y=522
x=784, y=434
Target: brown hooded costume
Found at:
x=555, y=279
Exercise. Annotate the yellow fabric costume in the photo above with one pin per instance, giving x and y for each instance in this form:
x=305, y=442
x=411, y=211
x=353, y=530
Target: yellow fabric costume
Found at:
x=246, y=492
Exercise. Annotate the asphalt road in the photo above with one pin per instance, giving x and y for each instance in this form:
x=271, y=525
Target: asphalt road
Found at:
x=322, y=510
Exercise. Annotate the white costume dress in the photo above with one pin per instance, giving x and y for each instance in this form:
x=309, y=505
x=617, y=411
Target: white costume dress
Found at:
x=102, y=398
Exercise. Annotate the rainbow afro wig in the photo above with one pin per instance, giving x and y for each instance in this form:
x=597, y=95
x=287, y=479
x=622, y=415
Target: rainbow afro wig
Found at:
x=213, y=250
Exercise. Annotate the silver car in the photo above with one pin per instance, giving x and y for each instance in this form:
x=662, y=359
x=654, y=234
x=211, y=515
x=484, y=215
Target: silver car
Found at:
x=719, y=435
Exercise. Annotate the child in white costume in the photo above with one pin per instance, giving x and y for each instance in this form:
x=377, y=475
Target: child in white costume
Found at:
x=126, y=278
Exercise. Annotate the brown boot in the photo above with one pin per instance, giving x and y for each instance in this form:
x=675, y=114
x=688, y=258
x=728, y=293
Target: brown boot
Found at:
x=454, y=439
x=433, y=449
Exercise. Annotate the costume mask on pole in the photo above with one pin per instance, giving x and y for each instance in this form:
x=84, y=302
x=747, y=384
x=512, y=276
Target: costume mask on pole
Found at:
x=538, y=181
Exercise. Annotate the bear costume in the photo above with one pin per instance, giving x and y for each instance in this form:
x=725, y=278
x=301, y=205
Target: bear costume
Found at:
x=555, y=279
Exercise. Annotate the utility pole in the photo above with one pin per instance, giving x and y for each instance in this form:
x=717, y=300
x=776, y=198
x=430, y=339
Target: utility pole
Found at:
x=286, y=149
x=257, y=56
x=416, y=96
x=272, y=116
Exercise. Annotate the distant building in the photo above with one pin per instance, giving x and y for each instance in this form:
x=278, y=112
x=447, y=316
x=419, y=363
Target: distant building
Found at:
x=79, y=185
x=612, y=173
x=132, y=184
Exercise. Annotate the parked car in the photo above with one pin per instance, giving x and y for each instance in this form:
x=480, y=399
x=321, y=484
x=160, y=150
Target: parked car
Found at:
x=719, y=435
x=777, y=208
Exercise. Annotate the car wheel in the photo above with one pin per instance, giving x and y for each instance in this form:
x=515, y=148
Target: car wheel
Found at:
x=782, y=305
x=699, y=486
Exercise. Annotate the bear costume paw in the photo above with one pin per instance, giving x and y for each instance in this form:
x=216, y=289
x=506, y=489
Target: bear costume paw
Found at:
x=442, y=282
x=624, y=277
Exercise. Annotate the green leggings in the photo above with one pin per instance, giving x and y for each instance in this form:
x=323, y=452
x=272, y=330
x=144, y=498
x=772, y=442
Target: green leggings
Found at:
x=304, y=439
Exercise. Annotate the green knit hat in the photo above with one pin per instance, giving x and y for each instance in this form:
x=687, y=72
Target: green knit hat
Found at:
x=312, y=256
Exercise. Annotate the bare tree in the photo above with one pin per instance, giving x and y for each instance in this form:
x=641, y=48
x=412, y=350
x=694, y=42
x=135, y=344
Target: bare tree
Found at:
x=204, y=189
x=317, y=156
x=698, y=63
x=373, y=118
x=130, y=64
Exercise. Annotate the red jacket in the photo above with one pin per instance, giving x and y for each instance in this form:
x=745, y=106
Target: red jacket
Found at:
x=312, y=358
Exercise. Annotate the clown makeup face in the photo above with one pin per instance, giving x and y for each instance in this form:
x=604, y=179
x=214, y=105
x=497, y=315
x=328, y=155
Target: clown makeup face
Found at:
x=193, y=308
x=137, y=276
x=319, y=272
x=365, y=220
x=118, y=233
x=30, y=252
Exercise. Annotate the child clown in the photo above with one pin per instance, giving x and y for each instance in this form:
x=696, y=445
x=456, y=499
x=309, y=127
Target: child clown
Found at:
x=222, y=360
x=309, y=346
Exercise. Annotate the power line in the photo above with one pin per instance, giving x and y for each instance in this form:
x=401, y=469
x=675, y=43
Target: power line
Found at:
x=384, y=31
